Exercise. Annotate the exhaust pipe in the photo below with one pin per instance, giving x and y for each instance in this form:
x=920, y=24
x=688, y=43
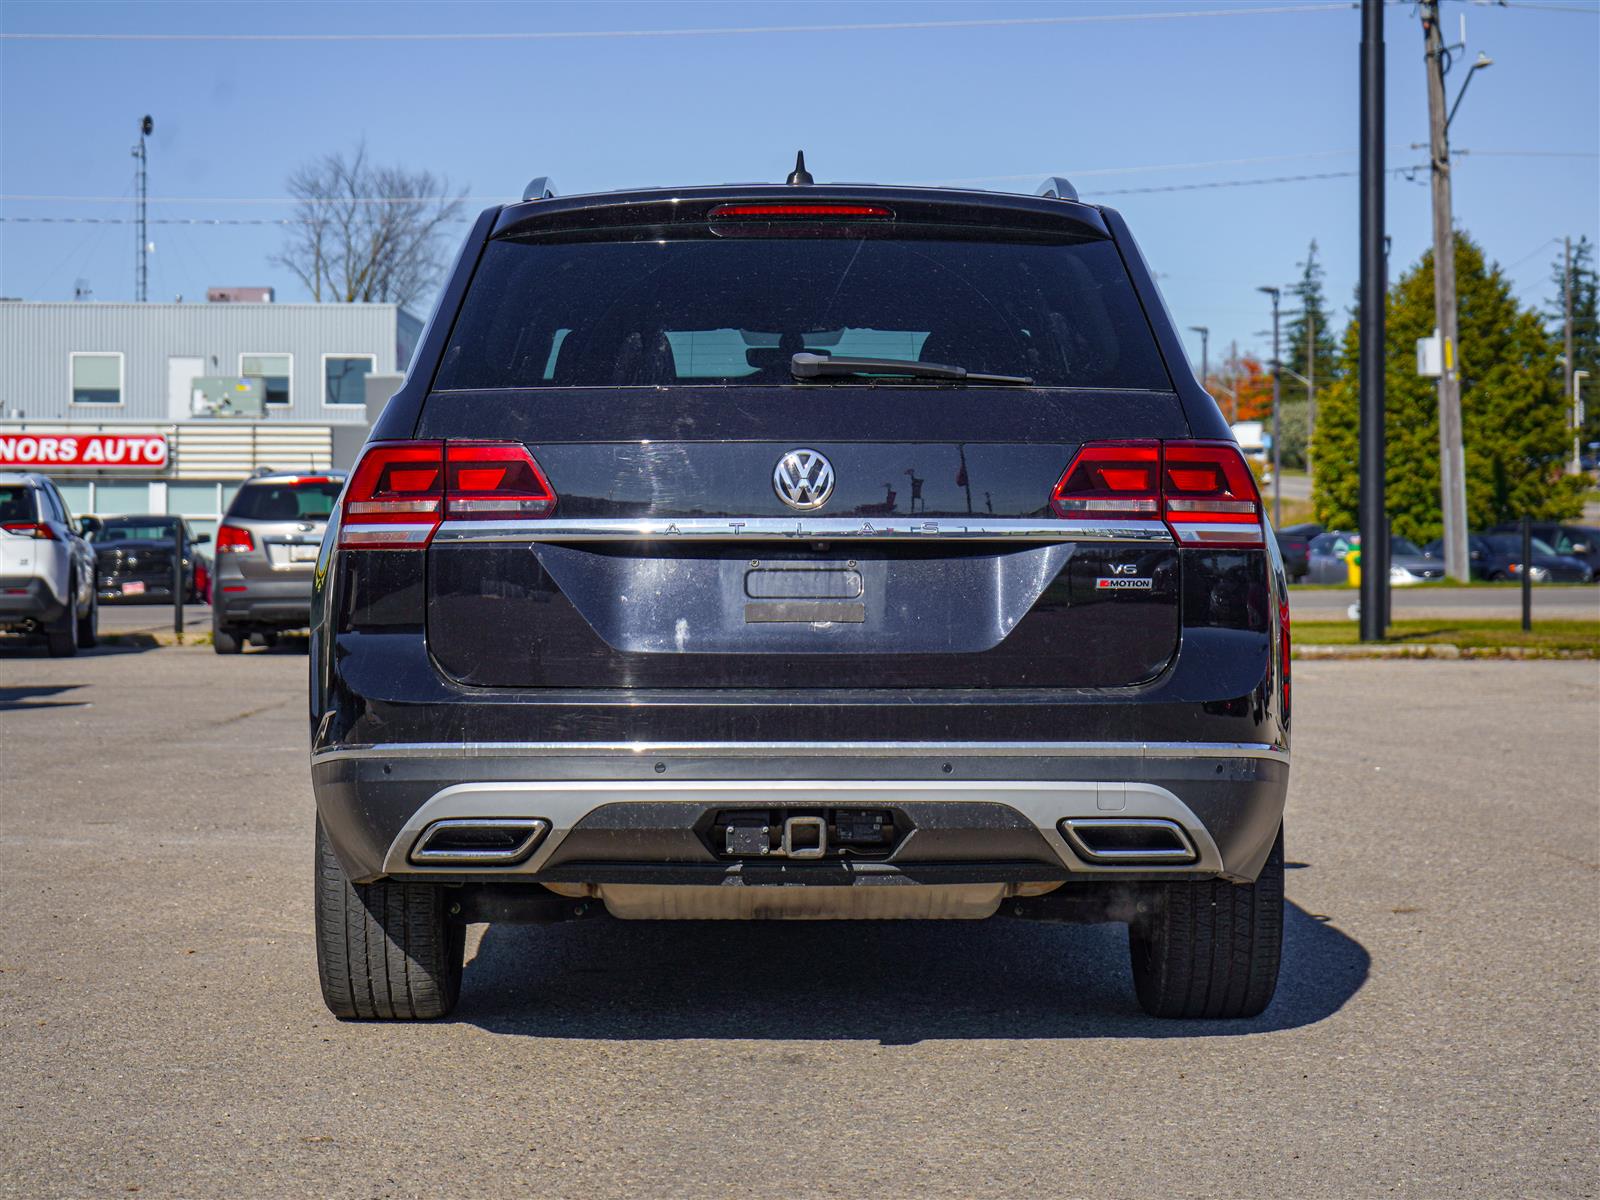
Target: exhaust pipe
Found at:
x=478, y=842
x=1129, y=841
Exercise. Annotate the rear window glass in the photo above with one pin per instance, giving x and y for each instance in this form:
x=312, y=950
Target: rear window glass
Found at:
x=285, y=501
x=149, y=530
x=16, y=503
x=652, y=312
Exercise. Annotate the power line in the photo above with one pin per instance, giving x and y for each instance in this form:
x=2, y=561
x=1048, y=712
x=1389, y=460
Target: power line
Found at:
x=1177, y=187
x=1234, y=183
x=713, y=31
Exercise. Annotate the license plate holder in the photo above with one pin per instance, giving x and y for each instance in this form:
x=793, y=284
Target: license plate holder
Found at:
x=303, y=554
x=133, y=587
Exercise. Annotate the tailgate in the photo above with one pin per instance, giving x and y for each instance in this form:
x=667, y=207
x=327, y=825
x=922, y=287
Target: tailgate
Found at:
x=676, y=564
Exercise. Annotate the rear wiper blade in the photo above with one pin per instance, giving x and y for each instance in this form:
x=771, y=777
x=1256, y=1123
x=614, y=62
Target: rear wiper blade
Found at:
x=816, y=366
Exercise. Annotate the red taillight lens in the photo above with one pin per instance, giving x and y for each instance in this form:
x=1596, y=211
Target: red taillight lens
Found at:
x=401, y=491
x=395, y=497
x=233, y=540
x=29, y=529
x=1111, y=480
x=791, y=212
x=1210, y=496
x=488, y=482
x=1203, y=490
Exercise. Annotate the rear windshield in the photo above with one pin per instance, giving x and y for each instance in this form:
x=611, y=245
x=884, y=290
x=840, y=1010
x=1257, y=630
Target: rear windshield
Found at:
x=648, y=313
x=116, y=530
x=16, y=503
x=309, y=501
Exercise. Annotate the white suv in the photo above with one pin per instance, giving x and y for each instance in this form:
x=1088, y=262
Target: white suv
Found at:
x=47, y=580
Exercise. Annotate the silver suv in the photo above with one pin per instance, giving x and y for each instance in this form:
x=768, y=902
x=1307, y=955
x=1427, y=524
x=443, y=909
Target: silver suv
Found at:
x=266, y=557
x=46, y=568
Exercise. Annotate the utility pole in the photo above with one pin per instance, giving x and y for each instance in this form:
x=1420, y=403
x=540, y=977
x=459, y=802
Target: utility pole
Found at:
x=1277, y=395
x=1452, y=458
x=141, y=262
x=1373, y=509
x=1205, y=342
x=1566, y=347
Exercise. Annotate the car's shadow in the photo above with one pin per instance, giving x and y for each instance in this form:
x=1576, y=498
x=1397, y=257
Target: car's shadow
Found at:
x=16, y=698
x=893, y=982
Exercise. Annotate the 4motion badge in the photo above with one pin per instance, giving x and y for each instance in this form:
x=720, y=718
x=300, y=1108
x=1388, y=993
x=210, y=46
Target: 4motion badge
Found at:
x=1123, y=579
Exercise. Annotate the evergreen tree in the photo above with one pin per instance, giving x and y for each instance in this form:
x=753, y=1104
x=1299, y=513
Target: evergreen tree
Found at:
x=1513, y=420
x=1585, y=325
x=1312, y=351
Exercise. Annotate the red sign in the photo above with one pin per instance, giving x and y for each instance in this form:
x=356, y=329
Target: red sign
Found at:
x=91, y=451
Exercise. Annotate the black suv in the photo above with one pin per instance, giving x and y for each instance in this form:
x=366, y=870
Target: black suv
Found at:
x=800, y=551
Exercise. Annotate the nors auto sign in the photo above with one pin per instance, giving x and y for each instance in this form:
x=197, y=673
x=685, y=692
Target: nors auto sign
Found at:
x=93, y=451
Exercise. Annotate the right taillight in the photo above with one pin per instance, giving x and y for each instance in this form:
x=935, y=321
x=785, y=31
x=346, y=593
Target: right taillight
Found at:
x=1202, y=490
x=1209, y=495
x=400, y=492
x=233, y=540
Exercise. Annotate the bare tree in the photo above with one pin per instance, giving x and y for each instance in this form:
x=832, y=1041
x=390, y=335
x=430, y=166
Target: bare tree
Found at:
x=364, y=232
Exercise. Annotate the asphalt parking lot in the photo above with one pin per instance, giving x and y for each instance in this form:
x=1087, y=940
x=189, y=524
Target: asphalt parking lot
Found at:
x=161, y=1032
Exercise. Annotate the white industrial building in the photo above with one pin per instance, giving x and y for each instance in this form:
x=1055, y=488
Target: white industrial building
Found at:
x=119, y=403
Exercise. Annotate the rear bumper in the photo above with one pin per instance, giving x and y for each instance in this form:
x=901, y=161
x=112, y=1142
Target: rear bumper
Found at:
x=279, y=603
x=28, y=599
x=987, y=813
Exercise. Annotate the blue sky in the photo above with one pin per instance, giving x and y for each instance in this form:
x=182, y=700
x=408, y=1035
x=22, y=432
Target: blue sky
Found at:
x=997, y=106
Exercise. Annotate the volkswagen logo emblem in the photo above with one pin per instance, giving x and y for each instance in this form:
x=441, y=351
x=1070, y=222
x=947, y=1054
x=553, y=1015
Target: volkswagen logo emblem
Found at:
x=803, y=479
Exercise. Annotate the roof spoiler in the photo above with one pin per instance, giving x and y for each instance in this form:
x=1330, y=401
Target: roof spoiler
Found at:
x=1057, y=188
x=542, y=187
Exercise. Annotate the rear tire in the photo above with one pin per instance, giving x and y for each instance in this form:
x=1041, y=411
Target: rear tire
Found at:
x=1211, y=948
x=225, y=640
x=89, y=624
x=62, y=637
x=386, y=951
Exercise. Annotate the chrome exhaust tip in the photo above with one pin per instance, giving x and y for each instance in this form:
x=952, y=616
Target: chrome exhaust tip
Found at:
x=478, y=842
x=1129, y=841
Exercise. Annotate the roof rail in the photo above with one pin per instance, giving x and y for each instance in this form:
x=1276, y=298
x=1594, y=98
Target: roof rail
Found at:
x=541, y=187
x=1057, y=188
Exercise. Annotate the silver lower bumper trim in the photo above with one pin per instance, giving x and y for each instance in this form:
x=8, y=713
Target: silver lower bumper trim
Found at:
x=564, y=803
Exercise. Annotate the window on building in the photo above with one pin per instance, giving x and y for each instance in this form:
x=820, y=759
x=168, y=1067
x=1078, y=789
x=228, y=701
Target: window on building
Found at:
x=275, y=369
x=96, y=378
x=344, y=377
x=117, y=499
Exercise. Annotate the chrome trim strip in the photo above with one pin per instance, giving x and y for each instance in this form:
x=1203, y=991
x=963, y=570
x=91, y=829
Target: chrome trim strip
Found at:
x=468, y=750
x=744, y=529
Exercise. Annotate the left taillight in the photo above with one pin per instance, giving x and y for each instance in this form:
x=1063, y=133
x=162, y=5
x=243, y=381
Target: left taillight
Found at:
x=400, y=492
x=395, y=497
x=30, y=529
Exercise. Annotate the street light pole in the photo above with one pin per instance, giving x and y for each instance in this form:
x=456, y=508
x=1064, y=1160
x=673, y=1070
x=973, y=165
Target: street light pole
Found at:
x=1277, y=393
x=1577, y=419
x=141, y=262
x=1373, y=508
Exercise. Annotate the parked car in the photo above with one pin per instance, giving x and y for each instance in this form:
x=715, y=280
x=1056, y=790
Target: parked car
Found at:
x=46, y=568
x=1407, y=563
x=1296, y=552
x=1498, y=557
x=267, y=556
x=1575, y=541
x=133, y=559
x=799, y=552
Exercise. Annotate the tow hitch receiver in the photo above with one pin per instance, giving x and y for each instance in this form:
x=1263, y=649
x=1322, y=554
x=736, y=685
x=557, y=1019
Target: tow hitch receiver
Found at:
x=775, y=833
